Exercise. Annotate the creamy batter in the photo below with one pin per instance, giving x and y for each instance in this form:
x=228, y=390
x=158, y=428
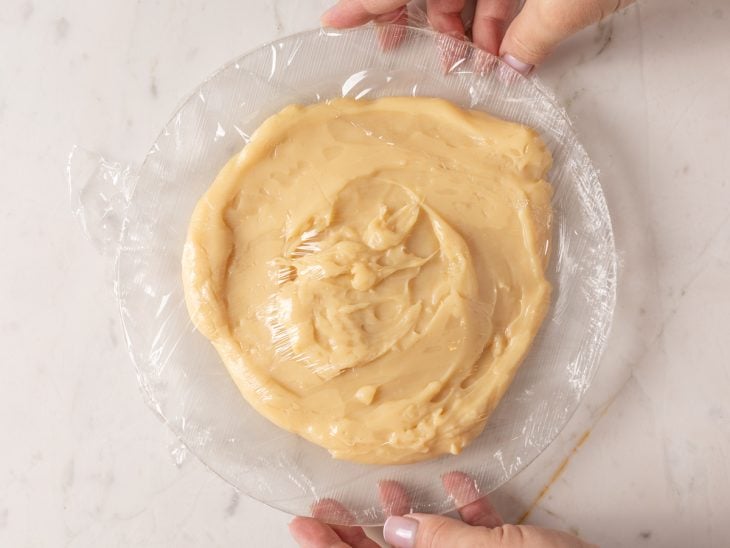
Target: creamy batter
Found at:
x=372, y=272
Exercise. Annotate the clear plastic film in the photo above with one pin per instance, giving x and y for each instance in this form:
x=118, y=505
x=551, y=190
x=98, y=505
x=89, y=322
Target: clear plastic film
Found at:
x=181, y=373
x=343, y=290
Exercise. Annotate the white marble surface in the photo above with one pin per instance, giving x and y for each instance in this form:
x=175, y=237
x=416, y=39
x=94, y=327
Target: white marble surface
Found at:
x=85, y=463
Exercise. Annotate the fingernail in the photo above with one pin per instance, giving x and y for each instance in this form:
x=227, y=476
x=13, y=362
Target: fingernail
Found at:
x=400, y=532
x=519, y=66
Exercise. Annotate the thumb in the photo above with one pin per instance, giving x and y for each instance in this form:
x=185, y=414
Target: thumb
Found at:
x=543, y=24
x=428, y=531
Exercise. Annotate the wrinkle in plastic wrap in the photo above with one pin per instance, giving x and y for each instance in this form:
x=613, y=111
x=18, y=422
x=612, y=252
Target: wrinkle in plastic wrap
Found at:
x=141, y=217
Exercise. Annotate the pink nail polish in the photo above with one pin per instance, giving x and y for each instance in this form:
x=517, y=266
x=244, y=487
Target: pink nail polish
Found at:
x=400, y=532
x=519, y=66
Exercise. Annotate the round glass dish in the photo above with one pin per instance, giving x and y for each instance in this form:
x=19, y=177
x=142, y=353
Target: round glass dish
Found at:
x=179, y=371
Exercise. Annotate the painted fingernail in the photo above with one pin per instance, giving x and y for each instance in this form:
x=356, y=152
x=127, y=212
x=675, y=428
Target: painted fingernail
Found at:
x=519, y=66
x=400, y=532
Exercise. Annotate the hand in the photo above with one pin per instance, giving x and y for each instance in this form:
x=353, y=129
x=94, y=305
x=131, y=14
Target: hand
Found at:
x=523, y=38
x=482, y=527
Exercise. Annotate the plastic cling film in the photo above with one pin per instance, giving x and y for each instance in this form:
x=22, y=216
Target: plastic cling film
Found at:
x=181, y=372
x=99, y=191
x=344, y=296
x=354, y=216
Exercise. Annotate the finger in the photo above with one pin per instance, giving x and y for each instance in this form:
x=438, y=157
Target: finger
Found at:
x=392, y=33
x=543, y=24
x=311, y=533
x=429, y=531
x=393, y=498
x=395, y=17
x=352, y=13
x=329, y=510
x=454, y=51
x=491, y=18
x=474, y=508
x=445, y=16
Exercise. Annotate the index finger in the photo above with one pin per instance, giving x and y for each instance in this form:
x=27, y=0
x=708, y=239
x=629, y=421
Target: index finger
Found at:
x=353, y=13
x=474, y=508
x=393, y=498
x=329, y=510
x=445, y=16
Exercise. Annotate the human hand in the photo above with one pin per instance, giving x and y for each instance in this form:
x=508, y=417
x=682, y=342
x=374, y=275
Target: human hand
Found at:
x=523, y=37
x=482, y=527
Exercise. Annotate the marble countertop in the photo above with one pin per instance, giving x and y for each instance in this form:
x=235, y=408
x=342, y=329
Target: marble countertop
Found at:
x=644, y=462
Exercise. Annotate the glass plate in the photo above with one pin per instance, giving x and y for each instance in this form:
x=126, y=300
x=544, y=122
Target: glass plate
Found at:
x=181, y=374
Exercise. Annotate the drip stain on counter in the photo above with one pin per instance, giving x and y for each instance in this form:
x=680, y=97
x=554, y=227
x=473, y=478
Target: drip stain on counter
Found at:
x=556, y=475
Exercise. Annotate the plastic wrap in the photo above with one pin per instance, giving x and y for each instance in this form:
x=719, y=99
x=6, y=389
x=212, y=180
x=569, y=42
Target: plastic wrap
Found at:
x=179, y=371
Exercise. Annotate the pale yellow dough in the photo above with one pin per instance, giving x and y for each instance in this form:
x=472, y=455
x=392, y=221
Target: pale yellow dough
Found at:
x=372, y=272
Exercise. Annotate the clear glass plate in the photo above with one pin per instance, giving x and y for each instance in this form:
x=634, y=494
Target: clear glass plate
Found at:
x=181, y=374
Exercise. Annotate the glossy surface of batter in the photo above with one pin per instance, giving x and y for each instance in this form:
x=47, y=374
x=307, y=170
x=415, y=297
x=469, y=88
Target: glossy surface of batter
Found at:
x=372, y=272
